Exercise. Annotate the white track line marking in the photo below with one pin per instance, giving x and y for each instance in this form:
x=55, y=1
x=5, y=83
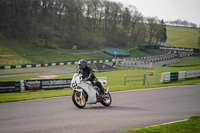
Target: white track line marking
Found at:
x=163, y=124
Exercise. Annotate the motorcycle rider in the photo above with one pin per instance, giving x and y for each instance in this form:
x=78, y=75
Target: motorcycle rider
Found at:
x=88, y=75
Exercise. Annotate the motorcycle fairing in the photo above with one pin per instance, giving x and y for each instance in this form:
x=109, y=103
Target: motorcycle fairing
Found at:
x=90, y=91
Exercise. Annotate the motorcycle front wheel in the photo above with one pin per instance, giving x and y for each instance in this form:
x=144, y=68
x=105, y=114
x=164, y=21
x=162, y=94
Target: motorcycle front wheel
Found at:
x=107, y=101
x=77, y=100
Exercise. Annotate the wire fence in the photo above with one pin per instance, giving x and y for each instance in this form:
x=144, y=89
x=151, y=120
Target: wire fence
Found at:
x=150, y=77
x=134, y=78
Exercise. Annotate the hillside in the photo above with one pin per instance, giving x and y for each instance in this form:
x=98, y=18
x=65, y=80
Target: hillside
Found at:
x=12, y=53
x=16, y=54
x=182, y=37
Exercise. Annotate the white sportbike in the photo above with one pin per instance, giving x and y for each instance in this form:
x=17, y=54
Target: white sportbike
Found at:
x=84, y=92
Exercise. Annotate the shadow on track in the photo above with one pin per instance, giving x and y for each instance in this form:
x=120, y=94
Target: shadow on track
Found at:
x=117, y=108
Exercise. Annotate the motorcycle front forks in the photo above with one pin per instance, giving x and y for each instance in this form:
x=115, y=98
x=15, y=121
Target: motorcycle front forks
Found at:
x=79, y=90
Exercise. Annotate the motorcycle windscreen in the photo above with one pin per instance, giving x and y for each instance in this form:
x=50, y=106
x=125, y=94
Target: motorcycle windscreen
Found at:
x=90, y=91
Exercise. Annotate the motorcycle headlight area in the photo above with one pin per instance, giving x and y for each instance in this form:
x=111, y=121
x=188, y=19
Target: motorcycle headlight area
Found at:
x=73, y=85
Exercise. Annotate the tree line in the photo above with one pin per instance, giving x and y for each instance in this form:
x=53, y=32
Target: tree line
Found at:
x=182, y=23
x=84, y=23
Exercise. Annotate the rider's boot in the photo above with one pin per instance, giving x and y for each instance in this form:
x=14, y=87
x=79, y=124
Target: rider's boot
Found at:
x=103, y=90
x=103, y=93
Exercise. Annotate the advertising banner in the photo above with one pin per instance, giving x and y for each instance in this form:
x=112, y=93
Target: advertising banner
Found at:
x=55, y=84
x=193, y=74
x=46, y=84
x=32, y=85
x=170, y=48
x=7, y=86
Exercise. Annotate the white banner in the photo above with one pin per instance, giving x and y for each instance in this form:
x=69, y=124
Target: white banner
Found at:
x=193, y=74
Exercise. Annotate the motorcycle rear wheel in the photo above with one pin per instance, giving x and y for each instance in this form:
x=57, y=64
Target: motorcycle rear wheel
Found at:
x=107, y=101
x=77, y=100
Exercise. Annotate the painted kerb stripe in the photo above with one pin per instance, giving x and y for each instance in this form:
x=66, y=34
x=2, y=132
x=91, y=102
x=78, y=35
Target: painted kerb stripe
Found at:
x=51, y=64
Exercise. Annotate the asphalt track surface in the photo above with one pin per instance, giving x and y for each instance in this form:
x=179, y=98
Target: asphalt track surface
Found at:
x=129, y=110
x=39, y=71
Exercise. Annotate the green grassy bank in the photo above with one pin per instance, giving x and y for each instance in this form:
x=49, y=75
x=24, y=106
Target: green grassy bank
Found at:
x=193, y=62
x=182, y=37
x=190, y=126
x=16, y=54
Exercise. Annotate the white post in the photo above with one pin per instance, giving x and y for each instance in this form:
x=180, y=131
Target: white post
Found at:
x=150, y=65
x=22, y=86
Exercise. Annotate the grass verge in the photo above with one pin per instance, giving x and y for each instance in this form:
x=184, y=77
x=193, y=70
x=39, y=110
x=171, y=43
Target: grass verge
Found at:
x=21, y=96
x=193, y=62
x=190, y=126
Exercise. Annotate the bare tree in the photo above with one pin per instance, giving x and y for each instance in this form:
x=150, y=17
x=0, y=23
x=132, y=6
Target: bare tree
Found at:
x=152, y=28
x=199, y=39
x=86, y=23
x=137, y=29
